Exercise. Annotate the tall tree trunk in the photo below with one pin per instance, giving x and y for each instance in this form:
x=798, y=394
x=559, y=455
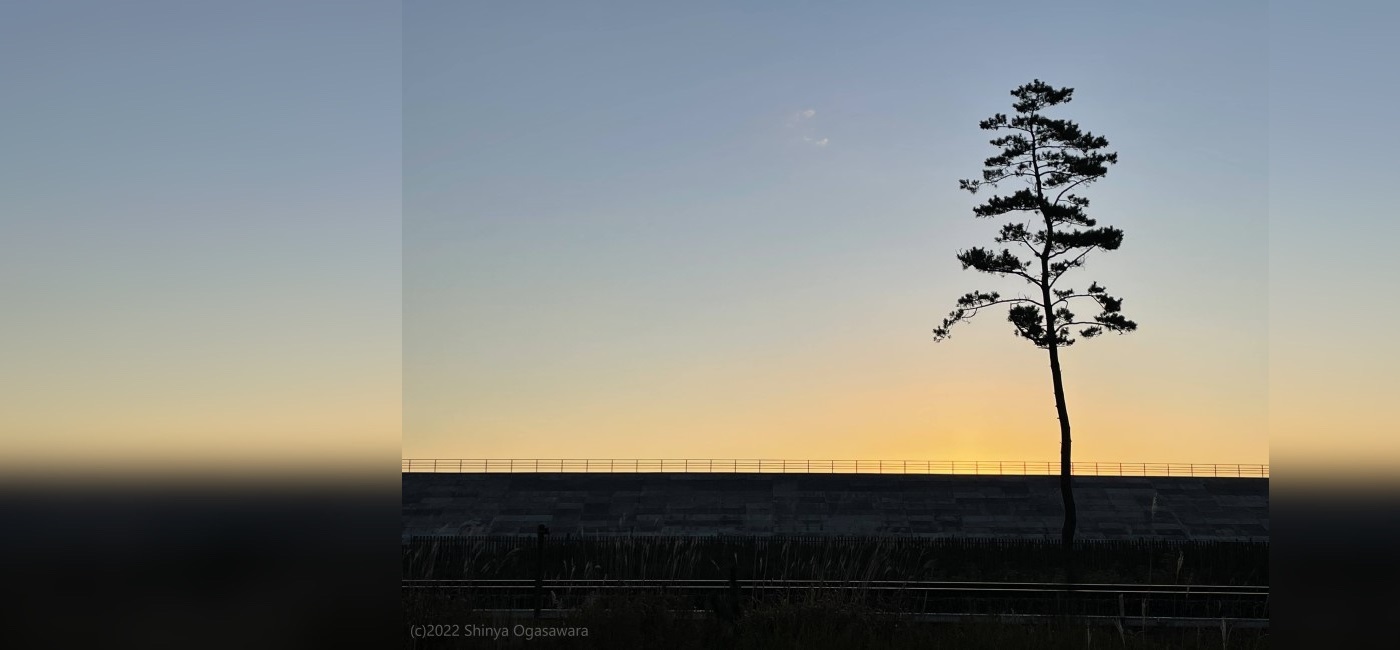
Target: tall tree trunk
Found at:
x=1052, y=333
x=1066, y=464
x=1066, y=487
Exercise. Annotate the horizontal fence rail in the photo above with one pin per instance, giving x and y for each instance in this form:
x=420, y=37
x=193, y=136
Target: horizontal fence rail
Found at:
x=772, y=466
x=914, y=597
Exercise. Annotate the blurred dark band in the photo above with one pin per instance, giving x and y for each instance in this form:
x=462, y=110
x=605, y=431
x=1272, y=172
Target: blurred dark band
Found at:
x=273, y=564
x=1335, y=561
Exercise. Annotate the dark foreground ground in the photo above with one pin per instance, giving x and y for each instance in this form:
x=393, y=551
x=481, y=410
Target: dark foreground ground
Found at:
x=682, y=561
x=1028, y=507
x=832, y=592
x=818, y=624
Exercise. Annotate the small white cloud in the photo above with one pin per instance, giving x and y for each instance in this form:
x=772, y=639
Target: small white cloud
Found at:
x=797, y=118
x=803, y=119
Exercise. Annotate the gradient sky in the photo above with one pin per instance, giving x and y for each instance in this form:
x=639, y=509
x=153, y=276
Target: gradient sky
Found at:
x=621, y=236
x=715, y=230
x=200, y=259
x=1333, y=353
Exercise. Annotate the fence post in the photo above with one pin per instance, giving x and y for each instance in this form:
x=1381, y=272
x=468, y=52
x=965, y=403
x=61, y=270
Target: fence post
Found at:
x=539, y=567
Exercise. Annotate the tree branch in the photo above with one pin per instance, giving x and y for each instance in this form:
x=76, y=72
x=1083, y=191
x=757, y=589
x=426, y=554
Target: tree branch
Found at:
x=1007, y=301
x=1072, y=264
x=1062, y=192
x=1066, y=299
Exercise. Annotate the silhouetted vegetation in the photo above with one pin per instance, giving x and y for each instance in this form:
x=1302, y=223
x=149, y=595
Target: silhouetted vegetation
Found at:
x=1051, y=157
x=837, y=559
x=630, y=621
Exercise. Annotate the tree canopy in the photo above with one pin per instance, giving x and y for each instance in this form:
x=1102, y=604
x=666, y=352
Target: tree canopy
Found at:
x=1052, y=158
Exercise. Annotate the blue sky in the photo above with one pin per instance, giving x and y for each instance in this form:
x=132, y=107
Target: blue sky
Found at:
x=620, y=234
x=201, y=246
x=622, y=219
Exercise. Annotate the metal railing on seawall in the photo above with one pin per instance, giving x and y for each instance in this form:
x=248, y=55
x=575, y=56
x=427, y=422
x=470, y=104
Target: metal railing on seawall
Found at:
x=772, y=466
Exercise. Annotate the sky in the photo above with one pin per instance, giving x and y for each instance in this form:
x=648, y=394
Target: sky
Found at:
x=264, y=232
x=200, y=259
x=723, y=231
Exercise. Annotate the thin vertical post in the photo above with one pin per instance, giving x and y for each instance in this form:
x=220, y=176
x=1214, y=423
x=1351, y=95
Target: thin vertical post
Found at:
x=539, y=567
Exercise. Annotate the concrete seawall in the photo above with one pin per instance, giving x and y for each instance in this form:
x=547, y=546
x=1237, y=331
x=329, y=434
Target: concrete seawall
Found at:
x=832, y=504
